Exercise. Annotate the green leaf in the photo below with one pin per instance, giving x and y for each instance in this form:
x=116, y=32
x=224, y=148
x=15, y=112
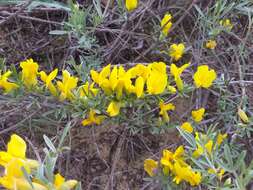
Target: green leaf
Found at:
x=58, y=32
x=240, y=160
x=64, y=134
x=8, y=2
x=228, y=155
x=78, y=186
x=27, y=177
x=49, y=144
x=40, y=173
x=188, y=137
x=49, y=4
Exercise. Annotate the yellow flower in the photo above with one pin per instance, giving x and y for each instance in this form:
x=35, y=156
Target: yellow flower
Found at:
x=204, y=77
x=169, y=158
x=47, y=79
x=209, y=147
x=172, y=89
x=243, y=116
x=197, y=115
x=66, y=86
x=131, y=4
x=221, y=138
x=13, y=177
x=13, y=160
x=99, y=77
x=139, y=71
x=226, y=24
x=174, y=164
x=158, y=79
x=88, y=90
x=200, y=150
x=211, y=44
x=29, y=72
x=114, y=81
x=96, y=77
x=93, y=119
x=187, y=127
x=16, y=148
x=113, y=109
x=61, y=184
x=167, y=161
x=113, y=78
x=221, y=173
x=119, y=89
x=218, y=172
x=176, y=51
x=176, y=72
x=7, y=86
x=164, y=108
x=166, y=24
x=150, y=166
x=195, y=178
x=185, y=173
x=139, y=87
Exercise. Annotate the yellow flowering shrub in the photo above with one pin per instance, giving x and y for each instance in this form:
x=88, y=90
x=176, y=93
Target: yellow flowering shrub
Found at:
x=170, y=94
x=201, y=163
x=117, y=89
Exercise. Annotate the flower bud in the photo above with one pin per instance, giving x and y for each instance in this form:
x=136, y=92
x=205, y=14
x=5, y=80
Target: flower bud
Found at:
x=243, y=116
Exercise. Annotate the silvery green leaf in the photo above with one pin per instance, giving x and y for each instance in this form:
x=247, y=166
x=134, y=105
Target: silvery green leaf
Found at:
x=58, y=32
x=49, y=144
x=27, y=177
x=47, y=3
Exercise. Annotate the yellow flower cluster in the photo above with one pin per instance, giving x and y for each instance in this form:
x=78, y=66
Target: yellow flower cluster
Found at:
x=209, y=146
x=225, y=24
x=114, y=82
x=118, y=81
x=197, y=116
x=64, y=88
x=14, y=160
x=174, y=165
